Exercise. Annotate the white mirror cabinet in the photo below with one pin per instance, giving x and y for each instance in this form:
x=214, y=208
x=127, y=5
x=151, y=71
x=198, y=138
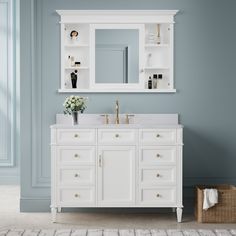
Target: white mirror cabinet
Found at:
x=150, y=63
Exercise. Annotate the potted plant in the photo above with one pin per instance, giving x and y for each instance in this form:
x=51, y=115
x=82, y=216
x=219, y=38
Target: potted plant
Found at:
x=73, y=105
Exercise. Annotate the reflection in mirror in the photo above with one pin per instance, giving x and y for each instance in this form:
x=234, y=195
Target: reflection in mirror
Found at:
x=117, y=56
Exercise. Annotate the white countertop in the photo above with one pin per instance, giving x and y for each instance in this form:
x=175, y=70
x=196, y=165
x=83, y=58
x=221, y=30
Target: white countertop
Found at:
x=138, y=121
x=114, y=126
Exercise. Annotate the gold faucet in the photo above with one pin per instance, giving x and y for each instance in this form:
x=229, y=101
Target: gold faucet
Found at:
x=117, y=112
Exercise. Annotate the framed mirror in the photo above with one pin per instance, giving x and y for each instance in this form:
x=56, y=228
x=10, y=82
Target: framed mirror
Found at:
x=116, y=56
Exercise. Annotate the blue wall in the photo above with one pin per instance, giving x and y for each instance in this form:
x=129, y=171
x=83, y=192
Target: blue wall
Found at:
x=205, y=69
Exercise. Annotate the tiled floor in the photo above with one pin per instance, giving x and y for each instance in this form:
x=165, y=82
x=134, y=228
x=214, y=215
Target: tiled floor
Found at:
x=10, y=217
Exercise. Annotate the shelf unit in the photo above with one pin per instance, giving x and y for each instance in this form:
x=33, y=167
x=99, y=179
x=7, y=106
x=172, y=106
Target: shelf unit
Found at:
x=156, y=57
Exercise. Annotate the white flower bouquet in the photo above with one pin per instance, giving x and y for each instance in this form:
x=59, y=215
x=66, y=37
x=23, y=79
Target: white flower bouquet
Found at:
x=74, y=104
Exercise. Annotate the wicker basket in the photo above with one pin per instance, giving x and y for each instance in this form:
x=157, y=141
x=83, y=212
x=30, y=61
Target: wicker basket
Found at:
x=223, y=212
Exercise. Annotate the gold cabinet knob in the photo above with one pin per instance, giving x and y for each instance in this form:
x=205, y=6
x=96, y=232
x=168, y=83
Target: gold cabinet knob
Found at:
x=158, y=135
x=158, y=175
x=158, y=155
x=158, y=195
x=76, y=135
x=76, y=195
x=117, y=135
x=76, y=175
x=76, y=155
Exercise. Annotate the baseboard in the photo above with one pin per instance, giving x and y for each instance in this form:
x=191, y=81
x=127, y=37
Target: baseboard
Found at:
x=9, y=180
x=34, y=205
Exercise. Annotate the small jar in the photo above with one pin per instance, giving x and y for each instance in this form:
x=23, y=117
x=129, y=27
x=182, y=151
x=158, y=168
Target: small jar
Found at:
x=77, y=64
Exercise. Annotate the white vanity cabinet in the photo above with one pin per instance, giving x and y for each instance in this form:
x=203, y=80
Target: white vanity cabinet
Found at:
x=116, y=167
x=116, y=176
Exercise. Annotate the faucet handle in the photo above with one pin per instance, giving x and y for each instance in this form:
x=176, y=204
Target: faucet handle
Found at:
x=106, y=118
x=127, y=116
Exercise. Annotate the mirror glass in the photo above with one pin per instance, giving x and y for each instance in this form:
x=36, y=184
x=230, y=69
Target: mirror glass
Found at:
x=117, y=56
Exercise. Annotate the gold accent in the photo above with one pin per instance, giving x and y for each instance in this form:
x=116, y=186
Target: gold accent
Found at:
x=158, y=34
x=117, y=112
x=158, y=30
x=127, y=118
x=106, y=118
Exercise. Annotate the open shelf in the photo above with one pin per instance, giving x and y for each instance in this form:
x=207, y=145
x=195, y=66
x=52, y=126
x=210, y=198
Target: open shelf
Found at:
x=77, y=68
x=117, y=91
x=156, y=68
x=76, y=45
x=152, y=45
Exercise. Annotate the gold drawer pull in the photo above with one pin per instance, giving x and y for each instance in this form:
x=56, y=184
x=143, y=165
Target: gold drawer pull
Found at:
x=76, y=155
x=158, y=155
x=76, y=135
x=158, y=135
x=77, y=195
x=158, y=195
x=117, y=135
x=158, y=175
x=76, y=175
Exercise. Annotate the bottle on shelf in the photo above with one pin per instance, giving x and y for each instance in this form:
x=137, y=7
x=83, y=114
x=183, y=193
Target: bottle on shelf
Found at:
x=158, y=34
x=155, y=81
x=150, y=82
x=160, y=76
x=72, y=61
x=77, y=63
x=73, y=76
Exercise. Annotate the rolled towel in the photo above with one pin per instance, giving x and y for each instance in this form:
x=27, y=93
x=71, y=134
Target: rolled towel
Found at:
x=210, y=198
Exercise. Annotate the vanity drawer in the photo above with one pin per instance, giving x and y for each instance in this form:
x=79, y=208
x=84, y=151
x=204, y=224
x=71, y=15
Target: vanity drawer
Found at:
x=76, y=136
x=72, y=155
x=117, y=136
x=160, y=195
x=151, y=155
x=157, y=136
x=76, y=196
x=79, y=176
x=158, y=175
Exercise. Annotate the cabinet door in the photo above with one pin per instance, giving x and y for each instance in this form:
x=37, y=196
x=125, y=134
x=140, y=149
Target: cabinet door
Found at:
x=116, y=175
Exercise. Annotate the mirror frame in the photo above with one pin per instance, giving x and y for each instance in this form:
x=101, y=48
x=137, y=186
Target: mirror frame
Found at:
x=115, y=86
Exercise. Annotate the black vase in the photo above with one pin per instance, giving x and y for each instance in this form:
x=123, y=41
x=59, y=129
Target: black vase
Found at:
x=74, y=83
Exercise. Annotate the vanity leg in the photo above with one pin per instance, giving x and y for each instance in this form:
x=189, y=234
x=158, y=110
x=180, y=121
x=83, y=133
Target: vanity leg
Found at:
x=59, y=209
x=54, y=214
x=179, y=212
